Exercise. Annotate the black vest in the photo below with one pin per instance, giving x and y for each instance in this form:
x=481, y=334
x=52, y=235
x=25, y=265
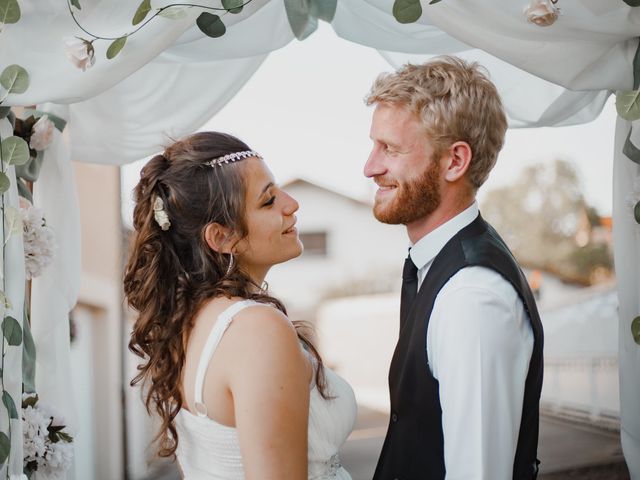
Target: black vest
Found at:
x=414, y=446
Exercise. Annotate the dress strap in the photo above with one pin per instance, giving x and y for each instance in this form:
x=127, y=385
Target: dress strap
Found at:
x=223, y=322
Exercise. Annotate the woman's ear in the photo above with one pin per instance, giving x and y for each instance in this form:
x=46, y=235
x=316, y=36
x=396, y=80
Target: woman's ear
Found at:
x=218, y=237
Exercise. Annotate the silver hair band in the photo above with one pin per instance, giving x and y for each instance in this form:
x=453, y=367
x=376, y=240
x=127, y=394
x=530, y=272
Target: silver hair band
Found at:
x=232, y=157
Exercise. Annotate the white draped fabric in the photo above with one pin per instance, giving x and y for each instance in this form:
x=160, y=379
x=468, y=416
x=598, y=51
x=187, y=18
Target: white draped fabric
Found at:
x=169, y=79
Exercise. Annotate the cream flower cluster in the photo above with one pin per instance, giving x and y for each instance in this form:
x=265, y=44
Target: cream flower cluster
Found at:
x=50, y=459
x=42, y=133
x=39, y=241
x=542, y=12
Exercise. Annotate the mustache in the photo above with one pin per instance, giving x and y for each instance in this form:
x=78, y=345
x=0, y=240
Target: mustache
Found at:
x=385, y=181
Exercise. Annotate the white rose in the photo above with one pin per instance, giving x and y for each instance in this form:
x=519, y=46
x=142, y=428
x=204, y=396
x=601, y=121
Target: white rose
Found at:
x=542, y=12
x=80, y=52
x=39, y=242
x=42, y=133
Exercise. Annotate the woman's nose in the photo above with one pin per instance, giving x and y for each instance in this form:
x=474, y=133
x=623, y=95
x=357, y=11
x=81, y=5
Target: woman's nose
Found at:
x=290, y=205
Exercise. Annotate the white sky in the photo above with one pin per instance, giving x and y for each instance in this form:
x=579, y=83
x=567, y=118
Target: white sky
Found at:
x=303, y=110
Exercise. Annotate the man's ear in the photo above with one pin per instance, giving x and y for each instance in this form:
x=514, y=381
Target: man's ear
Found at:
x=459, y=160
x=218, y=237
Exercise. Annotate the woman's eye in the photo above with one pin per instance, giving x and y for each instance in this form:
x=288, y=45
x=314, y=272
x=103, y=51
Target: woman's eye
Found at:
x=270, y=202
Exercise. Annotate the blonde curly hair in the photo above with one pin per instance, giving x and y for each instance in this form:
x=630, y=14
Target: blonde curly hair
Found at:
x=456, y=101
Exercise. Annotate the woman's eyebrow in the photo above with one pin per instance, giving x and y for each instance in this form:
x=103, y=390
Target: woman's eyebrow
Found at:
x=269, y=185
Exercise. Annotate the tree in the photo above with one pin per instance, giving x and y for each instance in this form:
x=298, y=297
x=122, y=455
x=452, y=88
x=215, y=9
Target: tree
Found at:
x=546, y=221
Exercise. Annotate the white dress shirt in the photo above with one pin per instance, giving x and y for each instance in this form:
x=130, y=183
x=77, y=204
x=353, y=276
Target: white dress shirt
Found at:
x=479, y=344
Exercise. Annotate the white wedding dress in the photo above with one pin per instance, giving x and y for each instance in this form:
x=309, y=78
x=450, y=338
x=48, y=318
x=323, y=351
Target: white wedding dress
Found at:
x=208, y=450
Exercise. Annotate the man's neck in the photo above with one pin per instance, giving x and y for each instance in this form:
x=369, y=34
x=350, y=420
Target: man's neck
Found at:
x=441, y=215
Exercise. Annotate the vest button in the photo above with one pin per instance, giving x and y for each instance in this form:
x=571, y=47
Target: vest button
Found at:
x=394, y=418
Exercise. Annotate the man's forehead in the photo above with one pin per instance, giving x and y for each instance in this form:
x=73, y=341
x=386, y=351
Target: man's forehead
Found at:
x=394, y=121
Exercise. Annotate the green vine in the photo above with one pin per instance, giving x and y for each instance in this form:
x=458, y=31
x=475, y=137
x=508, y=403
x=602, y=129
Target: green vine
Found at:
x=13, y=151
x=208, y=23
x=303, y=17
x=628, y=107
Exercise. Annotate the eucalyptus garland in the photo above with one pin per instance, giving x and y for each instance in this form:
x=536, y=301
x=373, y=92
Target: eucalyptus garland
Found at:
x=303, y=17
x=14, y=150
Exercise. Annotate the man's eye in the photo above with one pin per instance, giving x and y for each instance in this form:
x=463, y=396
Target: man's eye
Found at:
x=270, y=202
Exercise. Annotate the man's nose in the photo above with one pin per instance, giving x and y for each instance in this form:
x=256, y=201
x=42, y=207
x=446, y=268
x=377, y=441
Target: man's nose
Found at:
x=374, y=166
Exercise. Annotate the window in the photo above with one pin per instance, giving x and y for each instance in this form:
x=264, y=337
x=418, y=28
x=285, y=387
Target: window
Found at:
x=315, y=243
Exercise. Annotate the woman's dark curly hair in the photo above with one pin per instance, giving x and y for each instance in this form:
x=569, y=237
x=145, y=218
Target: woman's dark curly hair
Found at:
x=170, y=274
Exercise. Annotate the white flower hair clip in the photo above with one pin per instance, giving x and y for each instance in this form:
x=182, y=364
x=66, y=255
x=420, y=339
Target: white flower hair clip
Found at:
x=232, y=157
x=160, y=215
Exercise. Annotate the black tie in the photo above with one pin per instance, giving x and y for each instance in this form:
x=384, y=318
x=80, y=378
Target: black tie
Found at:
x=409, y=288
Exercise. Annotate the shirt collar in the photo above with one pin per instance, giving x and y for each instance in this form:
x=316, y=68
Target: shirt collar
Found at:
x=425, y=249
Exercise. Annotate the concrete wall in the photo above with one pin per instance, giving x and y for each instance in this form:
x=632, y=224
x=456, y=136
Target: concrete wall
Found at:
x=97, y=350
x=357, y=337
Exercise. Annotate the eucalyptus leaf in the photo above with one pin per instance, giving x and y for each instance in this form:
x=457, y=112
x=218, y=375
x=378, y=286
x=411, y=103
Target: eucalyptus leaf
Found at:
x=301, y=21
x=15, y=151
x=12, y=119
x=76, y=3
x=173, y=13
x=30, y=401
x=23, y=191
x=15, y=79
x=211, y=25
x=66, y=437
x=324, y=9
x=628, y=104
x=630, y=150
x=30, y=171
x=9, y=11
x=10, y=404
x=635, y=330
x=632, y=3
x=4, y=111
x=233, y=6
x=434, y=1
x=636, y=212
x=5, y=447
x=28, y=355
x=13, y=219
x=5, y=183
x=12, y=331
x=407, y=11
x=141, y=13
x=115, y=47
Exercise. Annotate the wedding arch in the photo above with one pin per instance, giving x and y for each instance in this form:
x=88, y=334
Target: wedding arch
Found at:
x=106, y=81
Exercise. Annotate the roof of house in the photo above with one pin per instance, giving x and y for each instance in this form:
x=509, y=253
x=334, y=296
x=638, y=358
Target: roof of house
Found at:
x=303, y=182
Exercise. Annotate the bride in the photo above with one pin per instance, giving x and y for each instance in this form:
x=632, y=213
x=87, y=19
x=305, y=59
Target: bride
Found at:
x=240, y=390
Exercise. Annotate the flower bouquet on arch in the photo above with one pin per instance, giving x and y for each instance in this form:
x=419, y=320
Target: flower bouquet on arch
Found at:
x=47, y=447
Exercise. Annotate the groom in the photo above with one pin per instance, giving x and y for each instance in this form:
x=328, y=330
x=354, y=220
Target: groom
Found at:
x=466, y=374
